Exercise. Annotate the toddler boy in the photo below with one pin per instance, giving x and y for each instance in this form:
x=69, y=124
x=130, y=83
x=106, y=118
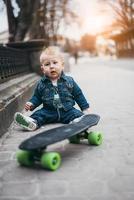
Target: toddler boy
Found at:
x=57, y=92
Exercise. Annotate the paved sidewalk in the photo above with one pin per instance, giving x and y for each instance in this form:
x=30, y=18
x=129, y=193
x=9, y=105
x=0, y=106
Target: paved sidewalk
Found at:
x=87, y=172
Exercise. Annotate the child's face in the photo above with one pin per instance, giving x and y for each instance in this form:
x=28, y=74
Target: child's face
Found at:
x=52, y=67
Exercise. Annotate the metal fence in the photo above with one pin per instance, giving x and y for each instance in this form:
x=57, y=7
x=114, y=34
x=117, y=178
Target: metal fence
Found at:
x=12, y=62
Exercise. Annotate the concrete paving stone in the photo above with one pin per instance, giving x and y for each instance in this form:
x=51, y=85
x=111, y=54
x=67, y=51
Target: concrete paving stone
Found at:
x=20, y=136
x=13, y=198
x=106, y=197
x=127, y=132
x=12, y=140
x=127, y=196
x=95, y=152
x=5, y=166
x=113, y=160
x=125, y=170
x=10, y=147
x=50, y=198
x=14, y=190
x=5, y=155
x=87, y=188
x=53, y=188
x=1, y=174
x=69, y=172
x=122, y=184
x=65, y=198
x=104, y=173
x=13, y=156
x=19, y=174
x=129, y=159
x=83, y=160
x=117, y=153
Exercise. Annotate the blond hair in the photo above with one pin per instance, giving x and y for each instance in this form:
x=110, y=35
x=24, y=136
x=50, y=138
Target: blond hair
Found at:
x=53, y=52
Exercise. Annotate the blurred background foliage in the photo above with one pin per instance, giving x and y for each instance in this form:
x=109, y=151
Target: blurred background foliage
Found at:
x=42, y=19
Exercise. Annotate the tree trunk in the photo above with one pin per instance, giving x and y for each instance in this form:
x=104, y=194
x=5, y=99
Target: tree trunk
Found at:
x=11, y=21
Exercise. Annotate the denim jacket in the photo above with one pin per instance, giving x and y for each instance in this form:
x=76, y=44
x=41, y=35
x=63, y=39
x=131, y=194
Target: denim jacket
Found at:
x=68, y=91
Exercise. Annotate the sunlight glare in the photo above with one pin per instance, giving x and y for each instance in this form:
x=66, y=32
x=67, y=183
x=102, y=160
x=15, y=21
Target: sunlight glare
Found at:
x=94, y=24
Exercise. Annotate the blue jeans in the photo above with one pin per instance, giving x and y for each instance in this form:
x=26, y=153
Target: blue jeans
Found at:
x=44, y=116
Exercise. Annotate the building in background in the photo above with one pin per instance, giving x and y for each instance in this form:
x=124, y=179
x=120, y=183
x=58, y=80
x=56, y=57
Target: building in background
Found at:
x=119, y=43
x=124, y=43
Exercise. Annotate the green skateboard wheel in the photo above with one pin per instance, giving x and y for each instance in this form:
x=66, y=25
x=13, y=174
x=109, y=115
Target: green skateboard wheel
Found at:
x=74, y=139
x=51, y=160
x=95, y=138
x=25, y=158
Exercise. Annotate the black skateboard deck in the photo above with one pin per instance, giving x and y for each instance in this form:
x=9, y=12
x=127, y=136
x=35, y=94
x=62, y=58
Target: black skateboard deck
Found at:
x=45, y=138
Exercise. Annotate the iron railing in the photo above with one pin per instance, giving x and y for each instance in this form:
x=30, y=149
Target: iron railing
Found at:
x=12, y=62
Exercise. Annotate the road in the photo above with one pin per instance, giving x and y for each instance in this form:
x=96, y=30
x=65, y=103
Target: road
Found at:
x=87, y=172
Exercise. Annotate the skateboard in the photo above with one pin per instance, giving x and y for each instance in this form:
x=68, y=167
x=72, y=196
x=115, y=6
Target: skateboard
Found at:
x=32, y=150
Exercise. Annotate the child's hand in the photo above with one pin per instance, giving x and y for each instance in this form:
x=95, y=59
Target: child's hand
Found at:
x=29, y=106
x=86, y=111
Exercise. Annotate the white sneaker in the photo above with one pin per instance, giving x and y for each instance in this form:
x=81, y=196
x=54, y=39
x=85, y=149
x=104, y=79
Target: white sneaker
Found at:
x=25, y=122
x=76, y=119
